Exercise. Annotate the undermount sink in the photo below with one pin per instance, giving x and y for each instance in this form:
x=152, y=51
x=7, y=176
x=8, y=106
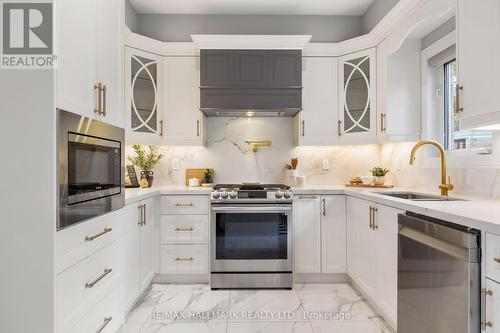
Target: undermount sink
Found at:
x=418, y=196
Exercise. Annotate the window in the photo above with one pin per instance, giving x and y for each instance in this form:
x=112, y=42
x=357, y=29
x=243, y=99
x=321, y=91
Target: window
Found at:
x=454, y=138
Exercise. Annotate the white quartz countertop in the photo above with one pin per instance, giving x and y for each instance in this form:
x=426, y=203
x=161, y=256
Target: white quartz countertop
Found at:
x=473, y=212
x=136, y=194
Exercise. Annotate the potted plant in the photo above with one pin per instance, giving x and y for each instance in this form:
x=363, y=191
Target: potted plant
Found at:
x=146, y=161
x=379, y=174
x=208, y=176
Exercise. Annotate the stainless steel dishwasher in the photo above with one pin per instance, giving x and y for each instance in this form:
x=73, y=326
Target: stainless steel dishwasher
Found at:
x=438, y=276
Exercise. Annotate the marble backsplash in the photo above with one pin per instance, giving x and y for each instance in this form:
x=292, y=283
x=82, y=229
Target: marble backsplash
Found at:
x=234, y=162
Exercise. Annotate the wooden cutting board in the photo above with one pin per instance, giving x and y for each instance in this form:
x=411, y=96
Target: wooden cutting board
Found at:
x=195, y=173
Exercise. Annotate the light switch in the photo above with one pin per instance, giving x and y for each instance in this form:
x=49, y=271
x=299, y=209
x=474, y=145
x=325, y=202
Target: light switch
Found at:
x=326, y=164
x=176, y=164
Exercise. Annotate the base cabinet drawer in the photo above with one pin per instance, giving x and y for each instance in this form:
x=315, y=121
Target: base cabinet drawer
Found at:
x=79, y=288
x=184, y=259
x=105, y=317
x=493, y=257
x=184, y=204
x=184, y=229
x=80, y=241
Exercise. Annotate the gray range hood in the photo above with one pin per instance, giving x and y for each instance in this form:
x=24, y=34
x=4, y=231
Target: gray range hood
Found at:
x=251, y=83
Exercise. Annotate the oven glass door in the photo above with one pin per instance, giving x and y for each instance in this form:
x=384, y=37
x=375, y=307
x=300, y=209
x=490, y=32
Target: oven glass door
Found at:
x=94, y=168
x=252, y=235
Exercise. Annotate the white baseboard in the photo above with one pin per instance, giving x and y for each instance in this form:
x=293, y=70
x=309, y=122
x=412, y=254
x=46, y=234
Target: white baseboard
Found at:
x=321, y=278
x=181, y=278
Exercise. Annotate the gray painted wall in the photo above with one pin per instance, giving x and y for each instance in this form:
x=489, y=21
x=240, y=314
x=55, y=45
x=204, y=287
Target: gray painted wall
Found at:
x=375, y=13
x=131, y=17
x=178, y=28
x=439, y=33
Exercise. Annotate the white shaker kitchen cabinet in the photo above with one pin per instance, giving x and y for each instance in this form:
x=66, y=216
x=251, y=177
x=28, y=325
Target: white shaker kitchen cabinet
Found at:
x=490, y=321
x=150, y=219
x=365, y=246
x=143, y=97
x=357, y=97
x=137, y=246
x=130, y=216
x=110, y=22
x=351, y=217
x=183, y=121
x=89, y=59
x=76, y=57
x=398, y=92
x=317, y=123
x=307, y=234
x=386, y=258
x=333, y=234
x=478, y=47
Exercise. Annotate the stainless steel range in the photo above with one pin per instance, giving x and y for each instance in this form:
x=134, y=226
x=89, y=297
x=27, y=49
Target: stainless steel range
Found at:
x=252, y=240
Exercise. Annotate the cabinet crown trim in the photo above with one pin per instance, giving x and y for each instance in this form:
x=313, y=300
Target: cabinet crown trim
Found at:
x=254, y=42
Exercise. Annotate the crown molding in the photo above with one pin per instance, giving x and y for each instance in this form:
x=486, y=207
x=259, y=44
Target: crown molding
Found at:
x=275, y=42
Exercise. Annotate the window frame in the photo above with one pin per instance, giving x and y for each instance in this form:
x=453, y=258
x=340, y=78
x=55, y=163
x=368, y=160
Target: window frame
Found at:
x=433, y=129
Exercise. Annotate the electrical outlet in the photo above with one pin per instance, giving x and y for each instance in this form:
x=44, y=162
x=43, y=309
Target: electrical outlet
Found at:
x=326, y=164
x=176, y=164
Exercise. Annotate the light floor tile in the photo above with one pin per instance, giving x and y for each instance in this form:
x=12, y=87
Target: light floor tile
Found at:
x=368, y=326
x=269, y=327
x=192, y=327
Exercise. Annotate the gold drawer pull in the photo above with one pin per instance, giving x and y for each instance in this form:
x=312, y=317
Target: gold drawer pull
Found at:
x=183, y=229
x=107, y=320
x=497, y=260
x=105, y=231
x=184, y=259
x=184, y=204
x=102, y=276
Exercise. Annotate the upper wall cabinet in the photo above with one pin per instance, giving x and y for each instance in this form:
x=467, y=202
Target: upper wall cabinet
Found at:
x=250, y=68
x=90, y=58
x=217, y=68
x=317, y=124
x=398, y=92
x=183, y=121
x=144, y=97
x=478, y=27
x=285, y=68
x=357, y=97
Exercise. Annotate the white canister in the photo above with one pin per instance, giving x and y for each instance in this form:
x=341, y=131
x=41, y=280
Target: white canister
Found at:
x=292, y=176
x=367, y=180
x=194, y=182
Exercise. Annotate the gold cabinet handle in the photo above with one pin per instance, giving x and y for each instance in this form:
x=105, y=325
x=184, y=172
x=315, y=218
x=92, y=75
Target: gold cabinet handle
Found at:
x=99, y=278
x=183, y=229
x=184, y=259
x=104, y=98
x=458, y=108
x=91, y=238
x=370, y=225
x=98, y=87
x=339, y=127
x=105, y=323
x=374, y=210
x=382, y=122
x=161, y=127
x=484, y=323
x=184, y=204
x=197, y=128
x=324, y=207
x=141, y=215
x=303, y=128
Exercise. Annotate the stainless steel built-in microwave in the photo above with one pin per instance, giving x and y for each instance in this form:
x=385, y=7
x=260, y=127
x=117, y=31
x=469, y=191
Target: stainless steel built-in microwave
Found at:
x=90, y=168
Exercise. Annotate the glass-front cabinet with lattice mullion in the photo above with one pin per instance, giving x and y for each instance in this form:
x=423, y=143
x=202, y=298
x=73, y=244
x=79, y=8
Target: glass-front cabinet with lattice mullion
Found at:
x=357, y=93
x=143, y=97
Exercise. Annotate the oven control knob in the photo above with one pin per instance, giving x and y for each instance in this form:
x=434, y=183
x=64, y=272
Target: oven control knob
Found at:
x=216, y=195
x=287, y=194
x=233, y=194
x=224, y=195
x=278, y=194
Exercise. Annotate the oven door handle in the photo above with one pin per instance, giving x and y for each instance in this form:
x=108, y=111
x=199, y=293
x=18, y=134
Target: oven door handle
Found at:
x=250, y=209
